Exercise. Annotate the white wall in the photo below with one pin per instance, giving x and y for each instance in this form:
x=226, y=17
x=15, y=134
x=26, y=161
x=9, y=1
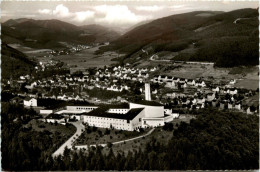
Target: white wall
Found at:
x=103, y=122
x=32, y=102
x=137, y=121
x=168, y=118
x=150, y=111
x=152, y=122
x=120, y=111
x=86, y=108
x=43, y=111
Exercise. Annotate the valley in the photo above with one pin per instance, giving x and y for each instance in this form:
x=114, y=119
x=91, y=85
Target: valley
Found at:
x=179, y=92
x=87, y=59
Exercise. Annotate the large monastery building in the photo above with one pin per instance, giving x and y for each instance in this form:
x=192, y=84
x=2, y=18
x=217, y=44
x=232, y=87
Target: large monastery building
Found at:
x=132, y=117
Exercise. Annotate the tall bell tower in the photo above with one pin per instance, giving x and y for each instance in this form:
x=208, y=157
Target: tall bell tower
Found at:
x=147, y=92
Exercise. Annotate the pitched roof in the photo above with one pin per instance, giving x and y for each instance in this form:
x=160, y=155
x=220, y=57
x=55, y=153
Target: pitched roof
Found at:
x=149, y=103
x=100, y=112
x=28, y=98
x=54, y=116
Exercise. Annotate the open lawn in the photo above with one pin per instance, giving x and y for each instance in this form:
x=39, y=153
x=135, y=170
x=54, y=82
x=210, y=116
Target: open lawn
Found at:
x=159, y=134
x=102, y=136
x=87, y=58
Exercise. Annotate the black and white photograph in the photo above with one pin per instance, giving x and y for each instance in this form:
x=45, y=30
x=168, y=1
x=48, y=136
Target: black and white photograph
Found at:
x=113, y=85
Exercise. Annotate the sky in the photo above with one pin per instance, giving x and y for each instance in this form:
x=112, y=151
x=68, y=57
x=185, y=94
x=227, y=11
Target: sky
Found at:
x=113, y=13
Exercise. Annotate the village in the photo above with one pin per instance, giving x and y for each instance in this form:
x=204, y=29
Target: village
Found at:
x=129, y=86
x=122, y=84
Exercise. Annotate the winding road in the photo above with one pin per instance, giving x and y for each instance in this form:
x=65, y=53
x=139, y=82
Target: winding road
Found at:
x=114, y=143
x=69, y=142
x=188, y=62
x=79, y=131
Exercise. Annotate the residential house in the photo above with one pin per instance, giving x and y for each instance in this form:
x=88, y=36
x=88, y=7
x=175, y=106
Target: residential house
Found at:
x=182, y=80
x=28, y=101
x=238, y=106
x=191, y=82
x=170, y=84
x=210, y=96
x=200, y=83
x=233, y=91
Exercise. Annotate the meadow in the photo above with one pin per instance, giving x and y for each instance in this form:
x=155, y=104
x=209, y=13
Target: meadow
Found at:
x=87, y=59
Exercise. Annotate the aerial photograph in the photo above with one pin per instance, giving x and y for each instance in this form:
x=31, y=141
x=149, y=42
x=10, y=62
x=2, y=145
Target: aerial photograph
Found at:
x=130, y=85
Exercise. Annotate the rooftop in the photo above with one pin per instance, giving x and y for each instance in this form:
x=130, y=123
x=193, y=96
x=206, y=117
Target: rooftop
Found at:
x=53, y=116
x=100, y=112
x=28, y=98
x=149, y=103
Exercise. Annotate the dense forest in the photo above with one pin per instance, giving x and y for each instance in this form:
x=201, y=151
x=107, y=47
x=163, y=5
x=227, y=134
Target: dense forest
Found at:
x=214, y=140
x=22, y=147
x=14, y=63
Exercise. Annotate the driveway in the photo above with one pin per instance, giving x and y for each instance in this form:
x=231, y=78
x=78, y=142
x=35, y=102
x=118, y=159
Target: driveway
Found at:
x=69, y=142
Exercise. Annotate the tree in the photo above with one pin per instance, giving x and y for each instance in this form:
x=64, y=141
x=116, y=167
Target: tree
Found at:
x=109, y=144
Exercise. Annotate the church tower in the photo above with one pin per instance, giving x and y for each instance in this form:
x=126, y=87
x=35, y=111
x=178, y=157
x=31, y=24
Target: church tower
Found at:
x=147, y=92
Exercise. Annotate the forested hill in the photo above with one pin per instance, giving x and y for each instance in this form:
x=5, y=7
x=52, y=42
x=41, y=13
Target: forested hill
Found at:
x=216, y=140
x=227, y=38
x=14, y=62
x=50, y=33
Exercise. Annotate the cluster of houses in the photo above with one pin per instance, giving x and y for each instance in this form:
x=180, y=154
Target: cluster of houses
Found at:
x=219, y=97
x=45, y=64
x=71, y=49
x=190, y=93
x=108, y=79
x=175, y=82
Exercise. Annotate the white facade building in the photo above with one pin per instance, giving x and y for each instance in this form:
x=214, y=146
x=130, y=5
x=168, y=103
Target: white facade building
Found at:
x=30, y=102
x=130, y=121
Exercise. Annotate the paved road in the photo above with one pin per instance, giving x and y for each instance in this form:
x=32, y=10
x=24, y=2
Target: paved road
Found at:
x=152, y=59
x=69, y=142
x=139, y=137
x=235, y=22
x=188, y=62
x=122, y=141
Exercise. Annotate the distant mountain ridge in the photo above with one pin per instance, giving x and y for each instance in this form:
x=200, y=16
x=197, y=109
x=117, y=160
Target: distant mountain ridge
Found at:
x=48, y=33
x=195, y=36
x=226, y=38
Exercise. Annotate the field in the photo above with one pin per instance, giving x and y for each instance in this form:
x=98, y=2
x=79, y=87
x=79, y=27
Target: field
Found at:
x=31, y=52
x=247, y=77
x=248, y=83
x=86, y=59
x=250, y=79
x=159, y=134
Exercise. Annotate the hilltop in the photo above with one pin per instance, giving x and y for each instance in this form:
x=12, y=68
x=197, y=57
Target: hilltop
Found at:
x=226, y=38
x=49, y=33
